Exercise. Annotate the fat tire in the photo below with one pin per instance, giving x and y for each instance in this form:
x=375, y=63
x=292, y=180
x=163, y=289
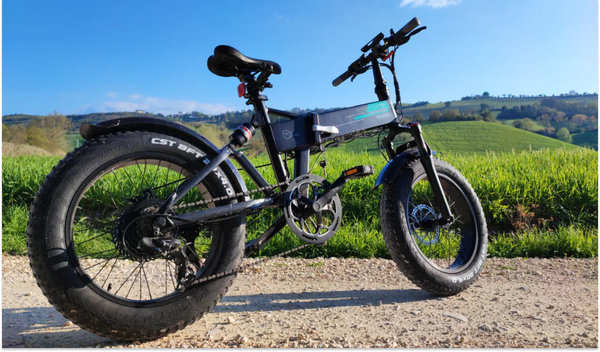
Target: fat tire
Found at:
x=67, y=292
x=404, y=250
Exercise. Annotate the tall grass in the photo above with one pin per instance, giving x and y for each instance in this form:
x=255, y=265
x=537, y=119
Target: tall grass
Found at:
x=520, y=192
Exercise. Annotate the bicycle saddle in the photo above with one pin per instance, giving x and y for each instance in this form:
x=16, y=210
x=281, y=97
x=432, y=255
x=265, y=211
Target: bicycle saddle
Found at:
x=228, y=62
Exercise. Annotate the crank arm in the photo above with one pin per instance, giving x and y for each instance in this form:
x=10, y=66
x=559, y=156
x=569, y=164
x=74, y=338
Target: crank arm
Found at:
x=351, y=174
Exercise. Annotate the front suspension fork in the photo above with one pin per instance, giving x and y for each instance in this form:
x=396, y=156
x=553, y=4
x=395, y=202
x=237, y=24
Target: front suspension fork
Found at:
x=426, y=158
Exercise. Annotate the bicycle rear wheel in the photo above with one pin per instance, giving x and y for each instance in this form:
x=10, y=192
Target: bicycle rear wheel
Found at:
x=85, y=228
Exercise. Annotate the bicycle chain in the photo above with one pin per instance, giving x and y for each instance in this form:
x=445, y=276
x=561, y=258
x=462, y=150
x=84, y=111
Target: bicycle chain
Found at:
x=241, y=267
x=240, y=194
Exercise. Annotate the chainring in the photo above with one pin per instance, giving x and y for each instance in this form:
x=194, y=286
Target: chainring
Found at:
x=312, y=227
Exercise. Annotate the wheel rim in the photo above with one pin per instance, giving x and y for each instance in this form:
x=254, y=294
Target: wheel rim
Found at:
x=449, y=249
x=105, y=262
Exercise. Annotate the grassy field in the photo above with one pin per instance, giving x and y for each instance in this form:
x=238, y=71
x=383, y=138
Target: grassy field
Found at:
x=473, y=137
x=520, y=192
x=537, y=126
x=587, y=139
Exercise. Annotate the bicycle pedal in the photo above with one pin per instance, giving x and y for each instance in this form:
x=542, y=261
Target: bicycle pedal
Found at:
x=358, y=172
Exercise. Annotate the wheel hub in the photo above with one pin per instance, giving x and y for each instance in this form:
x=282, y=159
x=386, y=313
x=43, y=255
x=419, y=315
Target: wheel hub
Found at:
x=423, y=215
x=135, y=224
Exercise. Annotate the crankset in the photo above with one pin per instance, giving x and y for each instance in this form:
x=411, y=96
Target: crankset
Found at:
x=310, y=225
x=312, y=207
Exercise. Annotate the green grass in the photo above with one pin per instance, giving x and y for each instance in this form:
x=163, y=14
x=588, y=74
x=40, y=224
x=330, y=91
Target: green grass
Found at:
x=537, y=126
x=546, y=189
x=587, y=139
x=473, y=137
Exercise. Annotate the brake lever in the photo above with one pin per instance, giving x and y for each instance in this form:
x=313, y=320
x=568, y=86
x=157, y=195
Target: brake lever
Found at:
x=416, y=31
x=359, y=72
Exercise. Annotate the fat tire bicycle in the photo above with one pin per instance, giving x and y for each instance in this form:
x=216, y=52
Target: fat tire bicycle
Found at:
x=141, y=231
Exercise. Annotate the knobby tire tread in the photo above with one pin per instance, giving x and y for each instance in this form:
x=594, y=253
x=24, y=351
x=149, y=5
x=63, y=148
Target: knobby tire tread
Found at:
x=403, y=250
x=93, y=318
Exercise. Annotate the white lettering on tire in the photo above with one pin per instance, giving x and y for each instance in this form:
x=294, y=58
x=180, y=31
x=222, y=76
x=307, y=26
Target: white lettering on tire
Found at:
x=182, y=147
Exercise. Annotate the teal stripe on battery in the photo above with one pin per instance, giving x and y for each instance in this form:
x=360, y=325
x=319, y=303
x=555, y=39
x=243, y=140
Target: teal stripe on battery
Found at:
x=375, y=109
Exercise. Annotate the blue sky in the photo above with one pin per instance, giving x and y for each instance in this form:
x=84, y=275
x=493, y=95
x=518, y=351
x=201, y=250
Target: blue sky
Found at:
x=97, y=56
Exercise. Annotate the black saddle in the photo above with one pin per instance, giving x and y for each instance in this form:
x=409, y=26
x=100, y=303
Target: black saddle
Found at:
x=228, y=62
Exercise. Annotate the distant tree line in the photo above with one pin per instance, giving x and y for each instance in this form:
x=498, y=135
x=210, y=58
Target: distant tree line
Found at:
x=558, y=117
x=470, y=114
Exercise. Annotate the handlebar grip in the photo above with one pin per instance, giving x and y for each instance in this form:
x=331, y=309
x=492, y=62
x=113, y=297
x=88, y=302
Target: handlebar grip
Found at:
x=344, y=76
x=406, y=29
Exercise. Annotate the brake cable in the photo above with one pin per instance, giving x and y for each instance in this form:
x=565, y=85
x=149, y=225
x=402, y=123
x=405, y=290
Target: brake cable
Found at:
x=392, y=68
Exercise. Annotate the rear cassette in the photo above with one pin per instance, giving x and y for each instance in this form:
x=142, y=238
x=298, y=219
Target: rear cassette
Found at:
x=311, y=226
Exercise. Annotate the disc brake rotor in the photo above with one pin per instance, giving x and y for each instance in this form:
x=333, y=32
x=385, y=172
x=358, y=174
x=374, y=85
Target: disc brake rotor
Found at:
x=310, y=226
x=420, y=214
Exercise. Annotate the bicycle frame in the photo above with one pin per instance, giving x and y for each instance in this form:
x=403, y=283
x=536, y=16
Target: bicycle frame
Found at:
x=343, y=122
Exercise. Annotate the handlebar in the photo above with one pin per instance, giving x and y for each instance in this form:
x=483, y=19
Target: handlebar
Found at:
x=405, y=30
x=344, y=76
x=396, y=39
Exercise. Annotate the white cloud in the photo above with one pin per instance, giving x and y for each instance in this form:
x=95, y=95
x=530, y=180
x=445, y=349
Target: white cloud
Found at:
x=162, y=105
x=112, y=94
x=281, y=18
x=434, y=4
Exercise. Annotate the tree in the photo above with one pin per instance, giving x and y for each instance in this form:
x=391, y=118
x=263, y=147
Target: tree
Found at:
x=450, y=115
x=448, y=104
x=564, y=135
x=525, y=124
x=2, y=130
x=14, y=134
x=435, y=116
x=485, y=95
x=484, y=106
x=37, y=137
x=418, y=116
x=488, y=116
x=578, y=120
x=48, y=132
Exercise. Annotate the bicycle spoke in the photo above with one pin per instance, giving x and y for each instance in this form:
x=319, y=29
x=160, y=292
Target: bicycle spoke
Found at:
x=110, y=272
x=95, y=222
x=156, y=173
x=119, y=182
x=111, y=258
x=97, y=201
x=142, y=175
x=89, y=255
x=93, y=238
x=129, y=177
x=134, y=279
x=89, y=267
x=126, y=279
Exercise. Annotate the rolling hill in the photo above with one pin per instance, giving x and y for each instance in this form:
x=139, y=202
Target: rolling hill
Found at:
x=496, y=103
x=587, y=139
x=472, y=137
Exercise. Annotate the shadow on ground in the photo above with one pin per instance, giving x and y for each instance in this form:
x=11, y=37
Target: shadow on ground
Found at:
x=45, y=327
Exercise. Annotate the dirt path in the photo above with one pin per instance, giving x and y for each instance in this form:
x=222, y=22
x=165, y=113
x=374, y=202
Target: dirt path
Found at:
x=351, y=303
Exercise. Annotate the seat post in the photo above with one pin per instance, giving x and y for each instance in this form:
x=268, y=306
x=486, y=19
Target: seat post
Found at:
x=261, y=120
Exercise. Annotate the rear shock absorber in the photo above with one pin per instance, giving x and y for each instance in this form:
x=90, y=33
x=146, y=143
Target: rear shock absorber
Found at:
x=242, y=134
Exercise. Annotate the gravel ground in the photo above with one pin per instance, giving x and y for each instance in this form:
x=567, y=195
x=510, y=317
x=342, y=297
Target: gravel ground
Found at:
x=350, y=303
